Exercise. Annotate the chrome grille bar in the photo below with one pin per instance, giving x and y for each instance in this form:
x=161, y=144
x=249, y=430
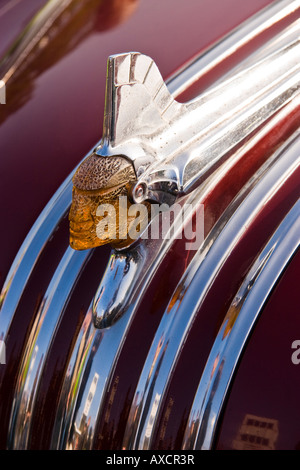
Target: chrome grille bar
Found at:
x=42, y=334
x=227, y=46
x=242, y=315
x=194, y=285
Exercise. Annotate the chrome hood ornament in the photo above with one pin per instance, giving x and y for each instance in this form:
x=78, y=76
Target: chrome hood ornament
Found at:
x=155, y=149
x=135, y=137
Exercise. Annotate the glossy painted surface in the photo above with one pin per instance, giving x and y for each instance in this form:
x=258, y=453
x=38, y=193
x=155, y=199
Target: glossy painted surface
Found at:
x=54, y=109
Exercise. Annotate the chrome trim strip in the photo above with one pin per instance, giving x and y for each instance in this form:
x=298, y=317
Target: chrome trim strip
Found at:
x=228, y=45
x=236, y=328
x=87, y=339
x=38, y=344
x=191, y=292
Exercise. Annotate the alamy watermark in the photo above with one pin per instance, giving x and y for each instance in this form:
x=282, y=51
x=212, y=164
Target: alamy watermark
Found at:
x=296, y=354
x=161, y=221
x=2, y=92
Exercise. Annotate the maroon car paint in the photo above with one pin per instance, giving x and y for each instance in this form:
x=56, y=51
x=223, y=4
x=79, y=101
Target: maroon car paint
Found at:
x=51, y=120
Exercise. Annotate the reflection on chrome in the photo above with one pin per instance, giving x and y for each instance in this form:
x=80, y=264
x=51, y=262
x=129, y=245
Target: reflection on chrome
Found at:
x=38, y=343
x=273, y=14
x=236, y=328
x=98, y=351
x=122, y=271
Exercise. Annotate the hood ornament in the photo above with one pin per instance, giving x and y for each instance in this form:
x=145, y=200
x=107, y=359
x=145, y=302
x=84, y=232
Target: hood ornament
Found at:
x=155, y=149
x=135, y=103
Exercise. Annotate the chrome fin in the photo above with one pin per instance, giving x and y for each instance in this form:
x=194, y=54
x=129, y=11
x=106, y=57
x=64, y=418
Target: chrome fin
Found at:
x=136, y=98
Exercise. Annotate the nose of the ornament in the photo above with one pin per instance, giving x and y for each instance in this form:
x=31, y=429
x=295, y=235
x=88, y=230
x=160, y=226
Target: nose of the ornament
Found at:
x=100, y=202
